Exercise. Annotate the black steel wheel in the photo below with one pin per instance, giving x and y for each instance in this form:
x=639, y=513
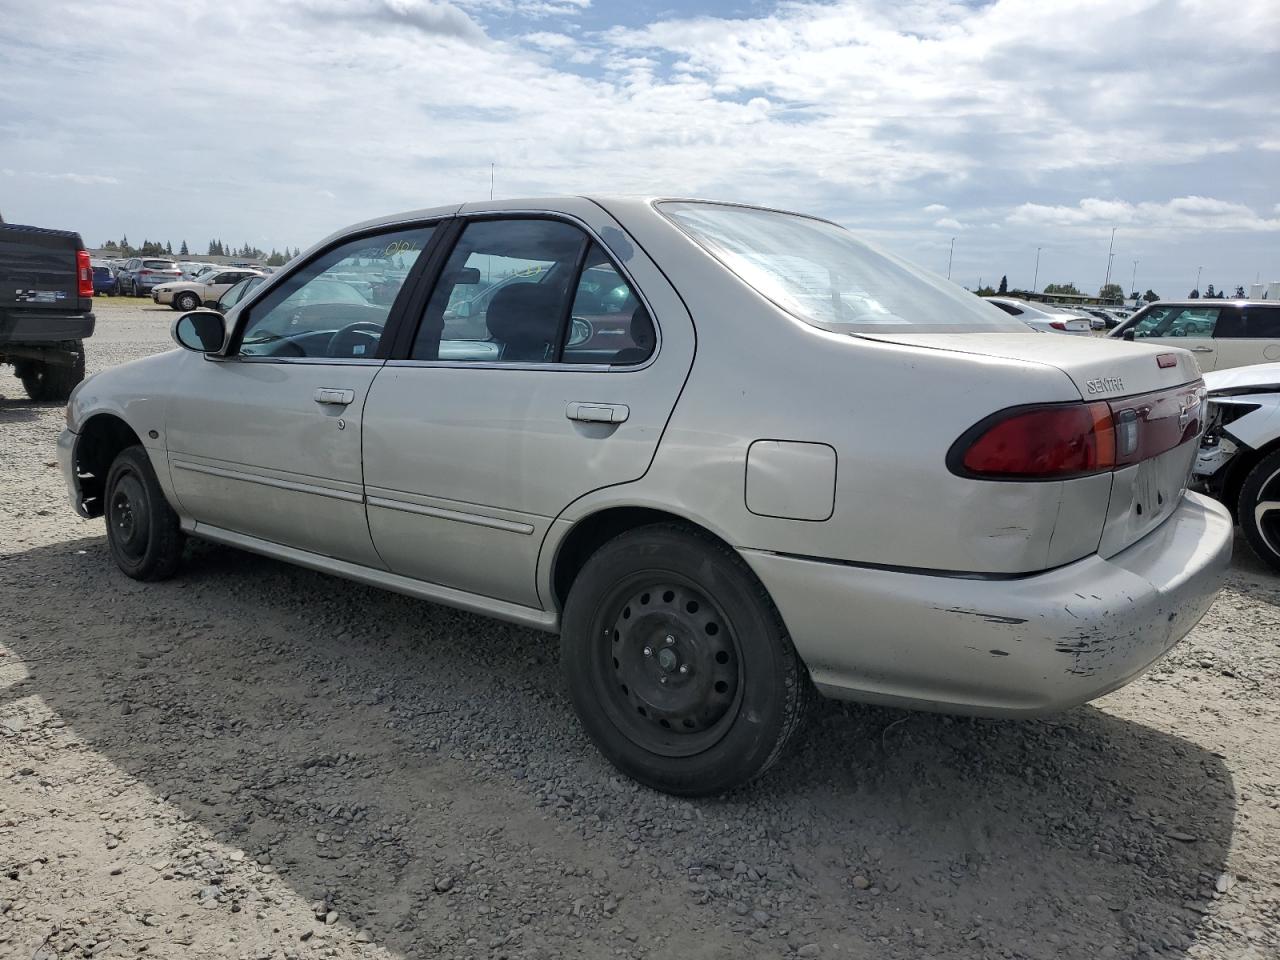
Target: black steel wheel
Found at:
x=142, y=530
x=678, y=663
x=1258, y=509
x=45, y=381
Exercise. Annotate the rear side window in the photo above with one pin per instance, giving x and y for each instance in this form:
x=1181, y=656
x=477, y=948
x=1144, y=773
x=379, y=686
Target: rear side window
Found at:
x=532, y=291
x=1261, y=323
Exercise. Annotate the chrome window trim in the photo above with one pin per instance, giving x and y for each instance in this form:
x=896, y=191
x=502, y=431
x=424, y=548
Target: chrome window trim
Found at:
x=613, y=259
x=475, y=519
x=328, y=361
x=265, y=481
x=498, y=365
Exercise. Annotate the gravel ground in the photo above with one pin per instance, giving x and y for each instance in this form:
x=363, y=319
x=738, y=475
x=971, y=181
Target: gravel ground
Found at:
x=254, y=760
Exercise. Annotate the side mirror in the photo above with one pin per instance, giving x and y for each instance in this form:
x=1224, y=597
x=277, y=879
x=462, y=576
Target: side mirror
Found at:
x=1128, y=335
x=201, y=330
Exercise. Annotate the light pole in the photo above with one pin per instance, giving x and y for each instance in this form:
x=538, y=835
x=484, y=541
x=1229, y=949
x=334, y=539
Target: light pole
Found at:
x=950, y=255
x=1036, y=279
x=1133, y=281
x=1110, y=254
x=1198, y=269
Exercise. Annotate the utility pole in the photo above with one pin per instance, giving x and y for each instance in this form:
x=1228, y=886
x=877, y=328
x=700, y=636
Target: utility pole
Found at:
x=950, y=255
x=1110, y=254
x=1198, y=269
x=490, y=180
x=1036, y=278
x=1133, y=281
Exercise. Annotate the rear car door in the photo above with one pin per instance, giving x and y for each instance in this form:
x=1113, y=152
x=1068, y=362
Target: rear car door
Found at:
x=265, y=441
x=1191, y=327
x=545, y=366
x=1247, y=333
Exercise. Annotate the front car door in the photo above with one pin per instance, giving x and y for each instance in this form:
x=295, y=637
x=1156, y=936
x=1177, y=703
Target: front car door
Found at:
x=548, y=358
x=265, y=441
x=1191, y=327
x=1248, y=333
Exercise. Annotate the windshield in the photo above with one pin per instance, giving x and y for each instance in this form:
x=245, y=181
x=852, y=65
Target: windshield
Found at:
x=821, y=274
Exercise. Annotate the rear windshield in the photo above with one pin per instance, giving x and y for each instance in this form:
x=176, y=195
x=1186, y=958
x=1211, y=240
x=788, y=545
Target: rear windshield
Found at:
x=159, y=264
x=821, y=274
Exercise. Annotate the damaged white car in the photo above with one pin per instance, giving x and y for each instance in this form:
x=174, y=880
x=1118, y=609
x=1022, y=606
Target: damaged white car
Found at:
x=1239, y=460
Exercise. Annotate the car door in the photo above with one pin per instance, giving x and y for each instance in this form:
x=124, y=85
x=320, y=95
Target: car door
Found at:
x=265, y=441
x=1248, y=333
x=221, y=283
x=1190, y=326
x=545, y=365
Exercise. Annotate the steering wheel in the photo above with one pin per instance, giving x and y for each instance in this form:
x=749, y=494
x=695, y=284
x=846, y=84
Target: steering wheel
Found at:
x=350, y=336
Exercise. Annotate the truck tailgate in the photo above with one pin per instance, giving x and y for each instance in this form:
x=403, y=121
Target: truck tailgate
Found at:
x=38, y=268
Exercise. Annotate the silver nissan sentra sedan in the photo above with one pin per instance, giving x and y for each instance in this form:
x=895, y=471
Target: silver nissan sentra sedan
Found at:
x=732, y=455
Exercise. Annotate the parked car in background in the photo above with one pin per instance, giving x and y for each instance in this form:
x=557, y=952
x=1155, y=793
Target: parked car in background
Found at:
x=203, y=290
x=1221, y=333
x=193, y=268
x=46, y=308
x=237, y=293
x=1239, y=461
x=1042, y=318
x=140, y=274
x=104, y=279
x=712, y=540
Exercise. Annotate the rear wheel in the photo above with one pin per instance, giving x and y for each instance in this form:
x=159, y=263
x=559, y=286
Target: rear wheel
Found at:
x=47, y=382
x=1258, y=509
x=678, y=664
x=142, y=529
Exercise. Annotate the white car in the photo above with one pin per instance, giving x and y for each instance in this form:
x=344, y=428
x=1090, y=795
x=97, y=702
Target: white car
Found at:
x=1043, y=318
x=1239, y=461
x=731, y=455
x=206, y=288
x=1221, y=333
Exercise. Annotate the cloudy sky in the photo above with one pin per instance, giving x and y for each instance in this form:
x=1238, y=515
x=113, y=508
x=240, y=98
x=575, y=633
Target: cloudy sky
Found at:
x=1007, y=125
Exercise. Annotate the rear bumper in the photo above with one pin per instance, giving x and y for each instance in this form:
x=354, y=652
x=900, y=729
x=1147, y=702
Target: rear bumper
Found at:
x=1021, y=646
x=35, y=327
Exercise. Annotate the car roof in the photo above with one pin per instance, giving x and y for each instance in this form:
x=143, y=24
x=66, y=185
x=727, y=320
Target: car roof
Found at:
x=1193, y=302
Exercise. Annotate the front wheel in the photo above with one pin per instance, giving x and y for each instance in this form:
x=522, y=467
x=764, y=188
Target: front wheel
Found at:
x=1258, y=509
x=186, y=302
x=678, y=663
x=142, y=530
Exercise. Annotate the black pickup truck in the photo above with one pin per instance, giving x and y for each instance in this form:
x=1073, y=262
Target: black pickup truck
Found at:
x=46, y=308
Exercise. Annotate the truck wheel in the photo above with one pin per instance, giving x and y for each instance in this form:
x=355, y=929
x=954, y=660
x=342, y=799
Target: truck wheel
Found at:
x=47, y=382
x=1258, y=509
x=186, y=302
x=678, y=663
x=143, y=533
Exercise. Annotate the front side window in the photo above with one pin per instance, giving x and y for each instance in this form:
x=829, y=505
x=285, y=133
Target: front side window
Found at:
x=821, y=274
x=337, y=305
x=531, y=291
x=1175, y=321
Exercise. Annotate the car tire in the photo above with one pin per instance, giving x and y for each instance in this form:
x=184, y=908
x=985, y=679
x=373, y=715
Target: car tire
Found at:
x=1261, y=529
x=186, y=302
x=143, y=532
x=678, y=664
x=48, y=382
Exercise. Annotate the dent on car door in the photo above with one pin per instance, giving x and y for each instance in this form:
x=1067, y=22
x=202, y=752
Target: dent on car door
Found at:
x=265, y=442
x=544, y=367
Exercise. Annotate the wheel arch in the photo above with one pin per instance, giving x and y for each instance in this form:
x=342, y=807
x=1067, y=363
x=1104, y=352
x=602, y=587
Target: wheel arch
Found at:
x=1238, y=469
x=592, y=531
x=102, y=437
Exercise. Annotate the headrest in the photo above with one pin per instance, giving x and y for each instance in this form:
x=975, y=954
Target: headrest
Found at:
x=526, y=313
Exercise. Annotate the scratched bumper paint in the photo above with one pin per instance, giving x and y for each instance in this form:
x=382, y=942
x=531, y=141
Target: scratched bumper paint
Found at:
x=1021, y=646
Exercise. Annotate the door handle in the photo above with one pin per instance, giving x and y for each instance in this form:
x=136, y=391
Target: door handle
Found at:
x=597, y=412
x=1201, y=349
x=335, y=396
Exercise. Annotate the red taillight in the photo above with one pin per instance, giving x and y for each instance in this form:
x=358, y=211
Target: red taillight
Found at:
x=1040, y=443
x=1062, y=440
x=144, y=273
x=84, y=274
x=1057, y=324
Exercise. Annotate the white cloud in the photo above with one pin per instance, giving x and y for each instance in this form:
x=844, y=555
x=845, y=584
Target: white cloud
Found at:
x=1180, y=213
x=85, y=179
x=949, y=223
x=936, y=208
x=426, y=16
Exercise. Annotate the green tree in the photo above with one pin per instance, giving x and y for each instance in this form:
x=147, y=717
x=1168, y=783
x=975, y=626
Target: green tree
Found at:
x=1112, y=291
x=1150, y=296
x=168, y=248
x=985, y=292
x=1239, y=292
x=1061, y=288
x=183, y=251
x=110, y=245
x=1004, y=286
x=275, y=259
x=125, y=249
x=1209, y=292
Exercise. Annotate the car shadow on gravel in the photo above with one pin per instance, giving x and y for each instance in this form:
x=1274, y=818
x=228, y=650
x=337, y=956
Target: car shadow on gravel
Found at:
x=18, y=409
x=259, y=698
